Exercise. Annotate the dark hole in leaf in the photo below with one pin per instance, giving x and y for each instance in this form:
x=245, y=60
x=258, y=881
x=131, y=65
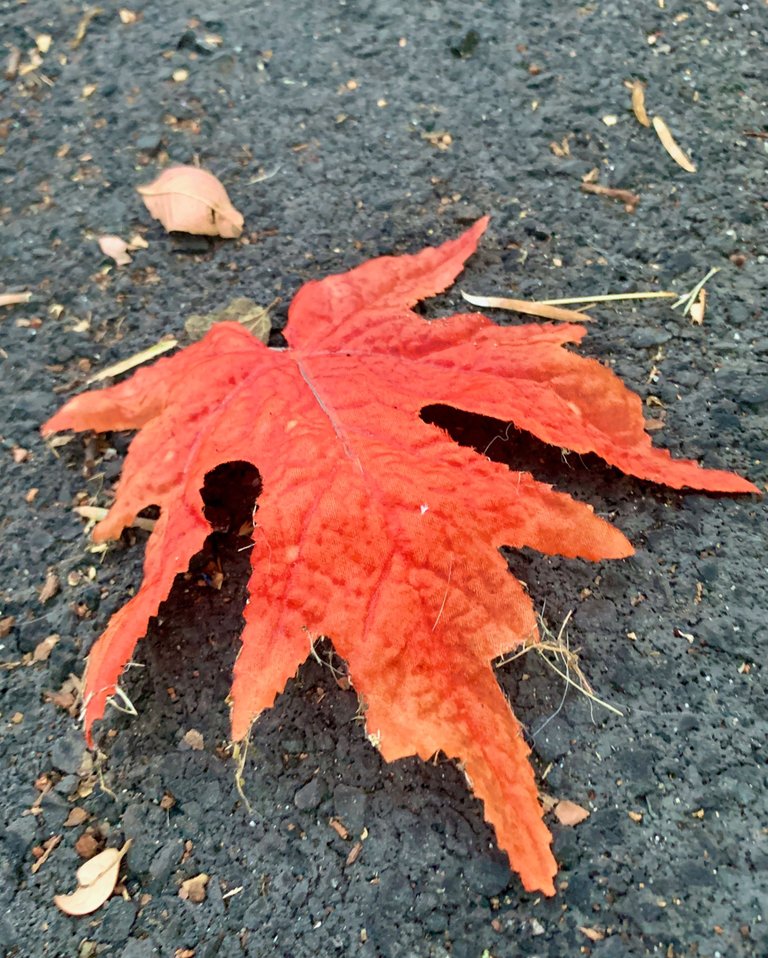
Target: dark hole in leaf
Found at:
x=229, y=495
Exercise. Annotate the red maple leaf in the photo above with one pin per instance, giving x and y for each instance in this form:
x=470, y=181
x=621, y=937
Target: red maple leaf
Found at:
x=374, y=528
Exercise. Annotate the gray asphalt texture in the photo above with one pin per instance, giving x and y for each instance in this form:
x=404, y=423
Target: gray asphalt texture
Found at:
x=339, y=103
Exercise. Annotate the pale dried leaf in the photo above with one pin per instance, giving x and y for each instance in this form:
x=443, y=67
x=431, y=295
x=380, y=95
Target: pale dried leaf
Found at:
x=638, y=102
x=194, y=740
x=193, y=889
x=529, y=308
x=115, y=248
x=241, y=310
x=569, y=813
x=13, y=299
x=192, y=200
x=670, y=145
x=594, y=934
x=96, y=881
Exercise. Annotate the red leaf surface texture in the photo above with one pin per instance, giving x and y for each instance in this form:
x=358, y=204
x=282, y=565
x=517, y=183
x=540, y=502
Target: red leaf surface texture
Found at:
x=374, y=528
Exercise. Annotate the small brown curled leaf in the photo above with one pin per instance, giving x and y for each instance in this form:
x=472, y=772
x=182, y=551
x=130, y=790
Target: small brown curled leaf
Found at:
x=191, y=200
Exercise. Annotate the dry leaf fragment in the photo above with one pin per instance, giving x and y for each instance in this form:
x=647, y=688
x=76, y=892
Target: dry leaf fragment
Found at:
x=96, y=880
x=594, y=934
x=87, y=845
x=439, y=138
x=76, y=817
x=6, y=624
x=194, y=740
x=529, y=308
x=569, y=813
x=43, y=649
x=354, y=853
x=193, y=889
x=50, y=587
x=241, y=310
x=191, y=200
x=127, y=16
x=697, y=308
x=338, y=826
x=116, y=249
x=636, y=817
x=13, y=299
x=670, y=145
x=638, y=102
x=43, y=42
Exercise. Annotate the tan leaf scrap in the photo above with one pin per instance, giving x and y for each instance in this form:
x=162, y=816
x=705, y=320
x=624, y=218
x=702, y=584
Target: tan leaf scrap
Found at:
x=241, y=310
x=569, y=813
x=116, y=249
x=193, y=889
x=697, y=308
x=191, y=200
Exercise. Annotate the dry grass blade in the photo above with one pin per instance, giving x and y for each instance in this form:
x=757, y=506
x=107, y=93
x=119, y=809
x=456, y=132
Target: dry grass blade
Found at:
x=143, y=357
x=638, y=102
x=13, y=299
x=687, y=300
x=82, y=27
x=608, y=298
x=97, y=513
x=544, y=310
x=671, y=146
